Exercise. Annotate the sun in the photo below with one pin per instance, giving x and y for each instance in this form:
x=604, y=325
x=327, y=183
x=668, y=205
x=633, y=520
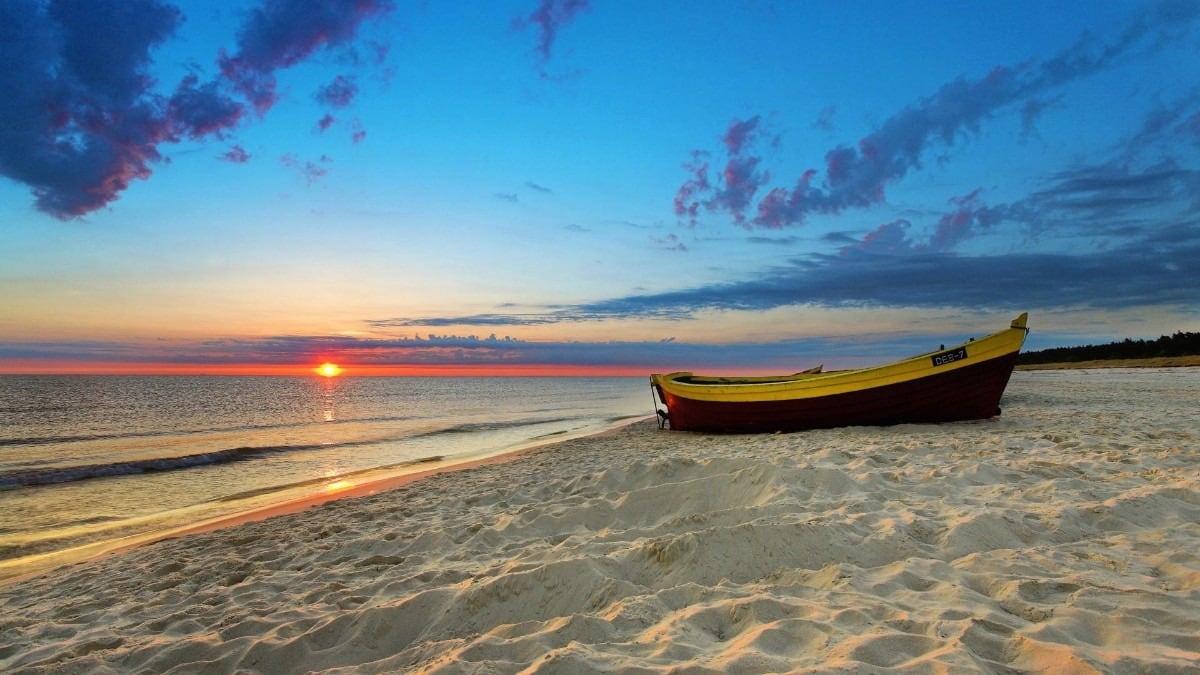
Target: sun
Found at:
x=329, y=370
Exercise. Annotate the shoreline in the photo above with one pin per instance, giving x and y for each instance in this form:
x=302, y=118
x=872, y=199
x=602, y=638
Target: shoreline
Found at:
x=36, y=565
x=1156, y=362
x=367, y=489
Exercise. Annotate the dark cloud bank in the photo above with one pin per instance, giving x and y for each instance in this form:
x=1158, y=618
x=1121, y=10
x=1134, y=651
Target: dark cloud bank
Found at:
x=83, y=117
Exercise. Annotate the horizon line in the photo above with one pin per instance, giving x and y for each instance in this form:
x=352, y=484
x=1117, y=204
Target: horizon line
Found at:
x=310, y=369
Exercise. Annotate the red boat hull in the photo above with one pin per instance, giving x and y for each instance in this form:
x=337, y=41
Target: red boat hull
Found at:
x=967, y=393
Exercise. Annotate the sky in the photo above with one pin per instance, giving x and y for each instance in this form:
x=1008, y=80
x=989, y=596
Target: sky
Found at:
x=588, y=186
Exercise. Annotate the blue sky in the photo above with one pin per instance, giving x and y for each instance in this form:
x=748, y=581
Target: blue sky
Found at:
x=632, y=186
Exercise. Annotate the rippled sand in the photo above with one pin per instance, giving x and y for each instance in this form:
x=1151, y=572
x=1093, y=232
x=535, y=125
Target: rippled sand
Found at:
x=1060, y=536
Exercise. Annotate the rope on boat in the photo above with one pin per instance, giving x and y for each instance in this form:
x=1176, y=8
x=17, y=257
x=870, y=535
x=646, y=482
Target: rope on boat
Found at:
x=663, y=416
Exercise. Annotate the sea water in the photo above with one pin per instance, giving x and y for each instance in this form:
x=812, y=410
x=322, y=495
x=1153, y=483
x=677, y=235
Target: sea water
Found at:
x=89, y=461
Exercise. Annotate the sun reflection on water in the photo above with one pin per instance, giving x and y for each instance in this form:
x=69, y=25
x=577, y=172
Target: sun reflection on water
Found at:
x=339, y=485
x=328, y=394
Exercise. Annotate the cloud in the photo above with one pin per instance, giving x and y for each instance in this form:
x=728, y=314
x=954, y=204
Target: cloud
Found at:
x=198, y=110
x=1111, y=194
x=739, y=133
x=1174, y=122
x=435, y=350
x=826, y=119
x=515, y=319
x=1124, y=277
x=969, y=217
x=601, y=311
x=279, y=34
x=671, y=242
x=738, y=182
x=105, y=46
x=1093, y=206
x=339, y=93
x=309, y=170
x=687, y=201
x=1145, y=259
x=741, y=179
x=77, y=123
x=1031, y=110
x=1115, y=201
x=236, y=154
x=858, y=177
x=82, y=117
x=547, y=19
x=514, y=197
x=773, y=241
x=887, y=239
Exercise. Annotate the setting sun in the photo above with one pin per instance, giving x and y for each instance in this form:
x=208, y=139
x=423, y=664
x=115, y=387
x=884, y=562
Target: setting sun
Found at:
x=329, y=369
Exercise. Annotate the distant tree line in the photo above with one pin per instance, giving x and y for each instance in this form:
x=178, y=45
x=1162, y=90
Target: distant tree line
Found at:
x=1179, y=344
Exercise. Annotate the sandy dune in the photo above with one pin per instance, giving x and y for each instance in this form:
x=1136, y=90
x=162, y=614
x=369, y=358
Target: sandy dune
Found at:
x=1060, y=537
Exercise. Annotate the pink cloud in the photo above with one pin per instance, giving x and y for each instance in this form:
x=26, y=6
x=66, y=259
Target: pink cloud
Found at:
x=739, y=133
x=738, y=182
x=970, y=215
x=889, y=238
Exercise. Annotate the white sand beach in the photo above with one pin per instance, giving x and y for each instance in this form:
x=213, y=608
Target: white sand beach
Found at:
x=1062, y=536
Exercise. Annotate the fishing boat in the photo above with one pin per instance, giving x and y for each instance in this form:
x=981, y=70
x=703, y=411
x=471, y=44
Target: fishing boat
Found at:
x=963, y=382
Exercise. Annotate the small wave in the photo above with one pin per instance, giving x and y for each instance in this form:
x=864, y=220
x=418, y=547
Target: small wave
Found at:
x=151, y=433
x=69, y=474
x=95, y=520
x=477, y=427
x=49, y=440
x=552, y=434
